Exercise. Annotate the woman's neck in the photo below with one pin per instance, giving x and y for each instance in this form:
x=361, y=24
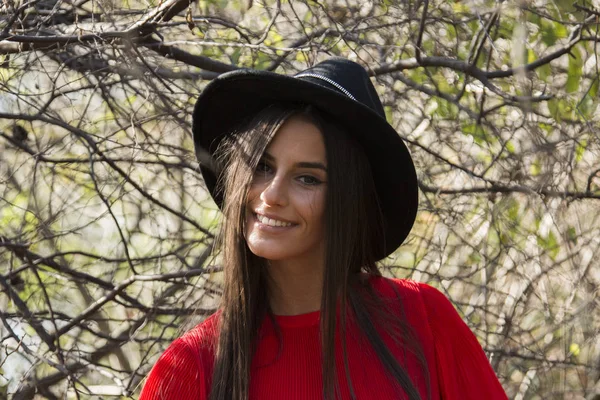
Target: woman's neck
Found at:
x=295, y=286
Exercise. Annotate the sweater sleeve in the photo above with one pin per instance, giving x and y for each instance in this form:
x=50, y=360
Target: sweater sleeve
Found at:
x=463, y=370
x=176, y=375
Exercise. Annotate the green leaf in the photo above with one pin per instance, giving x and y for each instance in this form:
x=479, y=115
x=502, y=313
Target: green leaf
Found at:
x=479, y=134
x=586, y=108
x=552, y=31
x=580, y=149
x=560, y=30
x=235, y=56
x=460, y=7
x=572, y=235
x=560, y=109
x=536, y=168
x=510, y=147
x=548, y=128
x=544, y=72
x=565, y=7
x=575, y=70
x=273, y=38
x=550, y=244
x=574, y=349
x=389, y=113
x=594, y=88
x=474, y=258
x=588, y=104
x=548, y=34
x=446, y=109
x=418, y=76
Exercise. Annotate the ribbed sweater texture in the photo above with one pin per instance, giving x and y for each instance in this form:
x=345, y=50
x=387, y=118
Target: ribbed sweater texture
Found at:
x=291, y=369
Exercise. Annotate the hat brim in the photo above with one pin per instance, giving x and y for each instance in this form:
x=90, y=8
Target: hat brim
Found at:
x=235, y=96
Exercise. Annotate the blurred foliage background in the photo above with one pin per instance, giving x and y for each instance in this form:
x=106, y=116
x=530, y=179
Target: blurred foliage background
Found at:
x=106, y=229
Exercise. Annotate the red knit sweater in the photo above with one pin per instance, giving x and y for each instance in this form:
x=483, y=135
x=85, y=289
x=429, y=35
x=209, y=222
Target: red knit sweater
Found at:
x=458, y=368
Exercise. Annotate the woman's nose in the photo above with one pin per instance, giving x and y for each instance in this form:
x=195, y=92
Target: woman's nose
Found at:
x=275, y=192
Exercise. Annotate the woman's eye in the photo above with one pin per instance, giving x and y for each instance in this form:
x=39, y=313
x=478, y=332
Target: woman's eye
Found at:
x=309, y=180
x=262, y=168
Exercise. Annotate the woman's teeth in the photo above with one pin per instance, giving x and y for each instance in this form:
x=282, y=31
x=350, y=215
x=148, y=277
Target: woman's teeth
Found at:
x=271, y=222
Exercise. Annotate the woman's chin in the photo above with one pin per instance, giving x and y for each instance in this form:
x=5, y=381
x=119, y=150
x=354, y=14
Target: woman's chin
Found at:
x=268, y=252
x=269, y=246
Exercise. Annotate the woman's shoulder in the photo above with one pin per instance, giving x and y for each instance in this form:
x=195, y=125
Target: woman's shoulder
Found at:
x=196, y=347
x=425, y=300
x=184, y=370
x=408, y=288
x=463, y=369
x=203, y=335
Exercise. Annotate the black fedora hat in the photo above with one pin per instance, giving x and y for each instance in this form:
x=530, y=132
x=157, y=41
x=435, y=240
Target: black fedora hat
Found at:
x=340, y=88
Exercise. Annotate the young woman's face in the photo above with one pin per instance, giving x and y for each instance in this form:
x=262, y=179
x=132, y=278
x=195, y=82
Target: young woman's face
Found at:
x=286, y=202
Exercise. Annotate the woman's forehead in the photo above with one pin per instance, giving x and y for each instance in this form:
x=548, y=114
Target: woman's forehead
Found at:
x=297, y=139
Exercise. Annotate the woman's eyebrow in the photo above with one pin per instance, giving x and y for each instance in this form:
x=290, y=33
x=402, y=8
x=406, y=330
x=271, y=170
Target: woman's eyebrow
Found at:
x=306, y=164
x=301, y=164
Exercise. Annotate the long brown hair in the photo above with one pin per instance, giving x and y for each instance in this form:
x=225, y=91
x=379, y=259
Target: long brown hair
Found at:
x=353, y=232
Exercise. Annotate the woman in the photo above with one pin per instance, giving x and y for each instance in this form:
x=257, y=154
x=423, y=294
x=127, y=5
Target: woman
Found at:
x=315, y=187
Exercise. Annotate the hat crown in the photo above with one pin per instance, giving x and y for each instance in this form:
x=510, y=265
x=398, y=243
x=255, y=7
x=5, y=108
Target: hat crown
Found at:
x=346, y=77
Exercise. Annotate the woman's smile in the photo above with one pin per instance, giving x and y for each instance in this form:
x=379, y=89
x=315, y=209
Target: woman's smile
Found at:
x=286, y=201
x=271, y=222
